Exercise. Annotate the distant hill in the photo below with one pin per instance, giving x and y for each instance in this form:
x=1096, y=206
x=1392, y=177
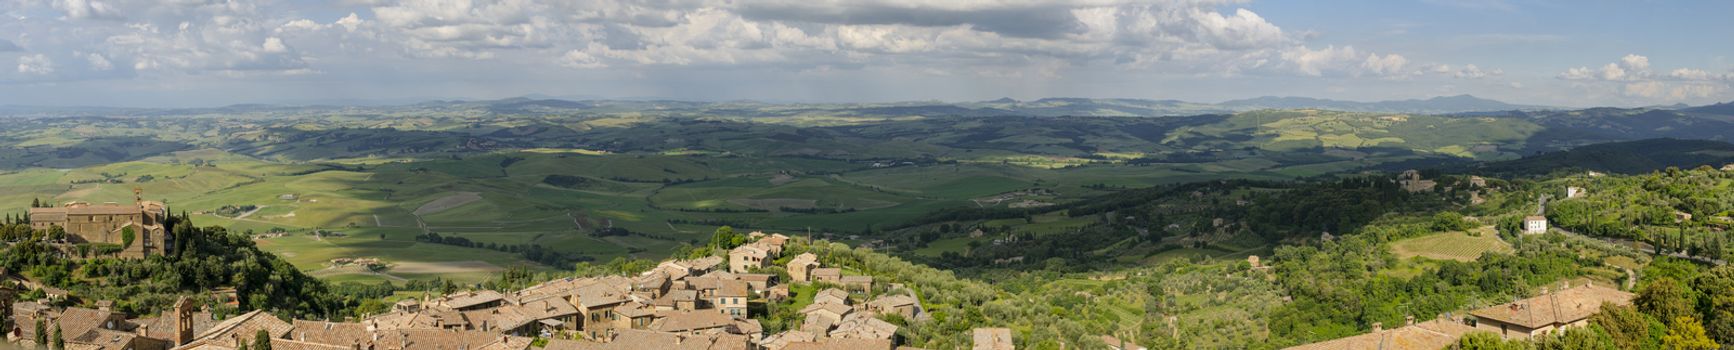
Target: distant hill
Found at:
x=1436, y=105
x=1630, y=157
x=1724, y=109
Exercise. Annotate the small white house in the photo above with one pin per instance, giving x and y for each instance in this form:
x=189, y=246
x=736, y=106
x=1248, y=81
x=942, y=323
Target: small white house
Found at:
x=1574, y=192
x=1536, y=224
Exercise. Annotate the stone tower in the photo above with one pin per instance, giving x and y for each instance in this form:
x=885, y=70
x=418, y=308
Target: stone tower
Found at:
x=182, y=317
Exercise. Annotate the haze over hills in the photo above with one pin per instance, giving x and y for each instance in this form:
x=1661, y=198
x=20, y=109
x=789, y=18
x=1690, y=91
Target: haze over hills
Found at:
x=1115, y=107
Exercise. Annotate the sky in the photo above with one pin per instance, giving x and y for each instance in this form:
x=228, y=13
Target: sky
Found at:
x=185, y=53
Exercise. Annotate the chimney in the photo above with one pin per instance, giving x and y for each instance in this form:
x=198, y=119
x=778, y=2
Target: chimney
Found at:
x=144, y=330
x=1378, y=326
x=303, y=336
x=1409, y=320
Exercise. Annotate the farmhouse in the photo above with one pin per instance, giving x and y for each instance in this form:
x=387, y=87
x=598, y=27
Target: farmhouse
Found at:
x=1411, y=181
x=1574, y=192
x=137, y=226
x=801, y=267
x=1548, y=313
x=1534, y=224
x=747, y=257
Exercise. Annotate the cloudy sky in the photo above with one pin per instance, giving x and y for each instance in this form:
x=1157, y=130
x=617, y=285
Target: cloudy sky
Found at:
x=215, y=52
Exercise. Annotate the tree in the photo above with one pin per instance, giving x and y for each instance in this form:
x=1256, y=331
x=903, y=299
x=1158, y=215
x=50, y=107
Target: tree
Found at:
x=262, y=340
x=1628, y=328
x=59, y=340
x=41, y=338
x=1685, y=333
x=1666, y=299
x=1718, y=307
x=127, y=236
x=725, y=238
x=1487, y=341
x=1578, y=338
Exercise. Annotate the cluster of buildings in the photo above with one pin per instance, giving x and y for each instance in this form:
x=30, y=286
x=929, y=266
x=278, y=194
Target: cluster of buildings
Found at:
x=699, y=304
x=1545, y=314
x=110, y=223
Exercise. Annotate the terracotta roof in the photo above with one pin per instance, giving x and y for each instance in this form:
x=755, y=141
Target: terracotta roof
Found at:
x=840, y=344
x=861, y=326
x=1535, y=218
x=75, y=321
x=751, y=250
x=595, y=296
x=733, y=289
x=1561, y=307
x=636, y=339
x=692, y=320
x=1430, y=335
x=831, y=294
x=428, y=317
x=892, y=301
x=827, y=272
x=470, y=299
x=804, y=258
x=245, y=326
x=103, y=339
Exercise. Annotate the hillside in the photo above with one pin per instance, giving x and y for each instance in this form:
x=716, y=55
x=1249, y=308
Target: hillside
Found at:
x=1633, y=157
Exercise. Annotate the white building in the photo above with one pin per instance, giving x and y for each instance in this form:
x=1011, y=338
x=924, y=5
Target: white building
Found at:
x=1574, y=192
x=1536, y=224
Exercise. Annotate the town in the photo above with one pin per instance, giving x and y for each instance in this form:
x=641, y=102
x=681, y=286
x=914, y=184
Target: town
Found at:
x=703, y=303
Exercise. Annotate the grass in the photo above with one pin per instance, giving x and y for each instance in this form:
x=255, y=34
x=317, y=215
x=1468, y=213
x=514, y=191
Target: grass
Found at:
x=1456, y=245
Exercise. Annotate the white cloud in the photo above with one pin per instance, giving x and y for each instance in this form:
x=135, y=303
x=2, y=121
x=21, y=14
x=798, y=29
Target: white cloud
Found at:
x=97, y=62
x=1390, y=64
x=1633, y=77
x=274, y=45
x=87, y=9
x=35, y=64
x=1635, y=62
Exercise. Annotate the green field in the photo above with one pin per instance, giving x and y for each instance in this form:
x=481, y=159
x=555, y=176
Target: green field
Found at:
x=1458, y=245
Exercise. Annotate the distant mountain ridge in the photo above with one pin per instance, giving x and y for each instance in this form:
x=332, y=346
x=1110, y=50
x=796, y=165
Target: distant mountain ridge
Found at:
x=1045, y=107
x=1436, y=105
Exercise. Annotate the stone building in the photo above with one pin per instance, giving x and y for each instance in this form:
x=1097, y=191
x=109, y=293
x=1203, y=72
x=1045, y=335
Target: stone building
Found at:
x=109, y=223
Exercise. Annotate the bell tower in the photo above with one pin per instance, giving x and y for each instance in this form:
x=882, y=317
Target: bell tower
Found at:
x=182, y=318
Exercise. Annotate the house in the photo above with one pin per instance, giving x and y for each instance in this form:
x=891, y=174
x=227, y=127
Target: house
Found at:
x=1574, y=192
x=861, y=283
x=993, y=339
x=863, y=326
x=828, y=275
x=1547, y=313
x=821, y=317
x=758, y=282
x=1534, y=224
x=900, y=304
x=596, y=304
x=731, y=298
x=745, y=258
x=801, y=267
x=831, y=295
x=1430, y=335
x=677, y=300
x=695, y=323
x=1728, y=167
x=1119, y=344
x=1477, y=181
x=634, y=315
